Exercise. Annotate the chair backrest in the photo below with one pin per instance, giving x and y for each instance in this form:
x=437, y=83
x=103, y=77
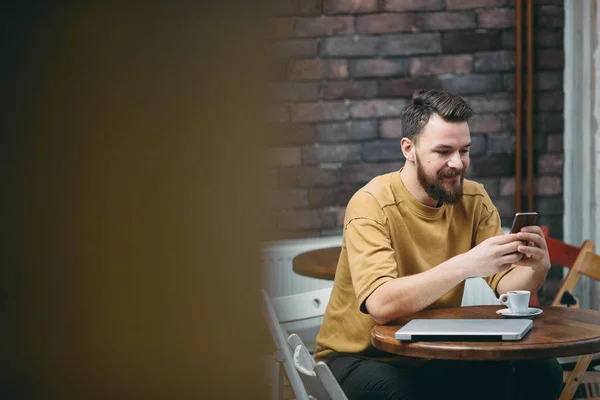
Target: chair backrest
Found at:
x=316, y=376
x=283, y=349
x=560, y=252
x=293, y=309
x=564, y=254
x=587, y=263
x=478, y=293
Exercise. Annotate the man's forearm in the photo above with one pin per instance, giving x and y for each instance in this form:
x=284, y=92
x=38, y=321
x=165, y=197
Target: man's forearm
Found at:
x=409, y=294
x=522, y=278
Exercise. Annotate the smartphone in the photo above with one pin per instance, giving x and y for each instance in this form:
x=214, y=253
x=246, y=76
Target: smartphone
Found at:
x=523, y=219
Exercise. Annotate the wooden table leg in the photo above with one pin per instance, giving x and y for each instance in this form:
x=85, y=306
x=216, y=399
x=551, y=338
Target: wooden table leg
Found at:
x=575, y=377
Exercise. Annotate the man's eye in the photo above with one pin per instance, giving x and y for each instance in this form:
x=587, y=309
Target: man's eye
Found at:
x=443, y=152
x=464, y=151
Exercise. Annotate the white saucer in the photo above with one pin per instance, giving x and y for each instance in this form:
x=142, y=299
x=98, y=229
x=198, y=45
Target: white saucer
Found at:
x=531, y=311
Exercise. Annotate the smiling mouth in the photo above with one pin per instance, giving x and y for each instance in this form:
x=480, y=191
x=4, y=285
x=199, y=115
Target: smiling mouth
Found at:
x=452, y=178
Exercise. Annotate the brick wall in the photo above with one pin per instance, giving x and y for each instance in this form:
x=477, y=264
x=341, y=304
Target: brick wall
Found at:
x=344, y=70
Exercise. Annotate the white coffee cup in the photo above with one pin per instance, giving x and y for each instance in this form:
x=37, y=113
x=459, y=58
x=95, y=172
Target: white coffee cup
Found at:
x=516, y=300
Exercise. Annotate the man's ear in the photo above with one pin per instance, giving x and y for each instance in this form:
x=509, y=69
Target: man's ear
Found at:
x=408, y=149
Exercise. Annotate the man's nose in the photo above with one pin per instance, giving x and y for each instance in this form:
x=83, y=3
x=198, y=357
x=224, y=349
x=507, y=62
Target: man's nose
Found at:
x=454, y=161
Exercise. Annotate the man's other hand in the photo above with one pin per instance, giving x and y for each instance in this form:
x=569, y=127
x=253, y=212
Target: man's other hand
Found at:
x=493, y=255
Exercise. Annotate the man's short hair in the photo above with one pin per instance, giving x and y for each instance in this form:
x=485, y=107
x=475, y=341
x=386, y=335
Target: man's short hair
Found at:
x=425, y=103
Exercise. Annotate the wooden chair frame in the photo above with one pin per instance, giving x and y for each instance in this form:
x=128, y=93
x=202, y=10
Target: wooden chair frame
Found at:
x=580, y=261
x=585, y=264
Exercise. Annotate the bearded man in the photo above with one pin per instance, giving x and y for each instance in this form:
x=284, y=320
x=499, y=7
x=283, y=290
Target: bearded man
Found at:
x=411, y=238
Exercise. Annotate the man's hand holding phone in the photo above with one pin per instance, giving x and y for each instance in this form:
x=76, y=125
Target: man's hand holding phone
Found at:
x=536, y=250
x=525, y=246
x=534, y=246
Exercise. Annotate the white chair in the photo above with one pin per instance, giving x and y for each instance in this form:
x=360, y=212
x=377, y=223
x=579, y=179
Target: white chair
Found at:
x=478, y=293
x=294, y=310
x=282, y=355
x=280, y=281
x=303, y=364
x=317, y=377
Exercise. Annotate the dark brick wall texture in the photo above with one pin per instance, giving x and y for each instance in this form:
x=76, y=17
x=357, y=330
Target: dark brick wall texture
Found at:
x=344, y=69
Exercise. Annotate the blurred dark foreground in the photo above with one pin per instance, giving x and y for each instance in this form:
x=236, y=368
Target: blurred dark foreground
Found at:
x=131, y=149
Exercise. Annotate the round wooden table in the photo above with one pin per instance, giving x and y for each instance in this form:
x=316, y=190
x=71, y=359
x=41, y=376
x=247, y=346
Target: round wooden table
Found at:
x=320, y=263
x=557, y=332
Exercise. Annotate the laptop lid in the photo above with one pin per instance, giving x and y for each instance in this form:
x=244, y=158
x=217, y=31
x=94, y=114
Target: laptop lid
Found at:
x=464, y=329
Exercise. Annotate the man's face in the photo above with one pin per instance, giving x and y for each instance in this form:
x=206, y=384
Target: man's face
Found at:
x=442, y=158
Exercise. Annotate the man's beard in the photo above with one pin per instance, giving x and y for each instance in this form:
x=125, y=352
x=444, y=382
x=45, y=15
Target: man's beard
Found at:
x=437, y=189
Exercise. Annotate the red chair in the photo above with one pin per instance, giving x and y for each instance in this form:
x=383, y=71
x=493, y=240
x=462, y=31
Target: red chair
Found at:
x=560, y=253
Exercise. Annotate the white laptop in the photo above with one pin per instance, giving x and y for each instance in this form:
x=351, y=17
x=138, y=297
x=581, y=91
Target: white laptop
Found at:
x=464, y=329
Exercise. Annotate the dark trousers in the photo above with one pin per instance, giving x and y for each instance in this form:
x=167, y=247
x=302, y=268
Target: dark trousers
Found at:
x=441, y=379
